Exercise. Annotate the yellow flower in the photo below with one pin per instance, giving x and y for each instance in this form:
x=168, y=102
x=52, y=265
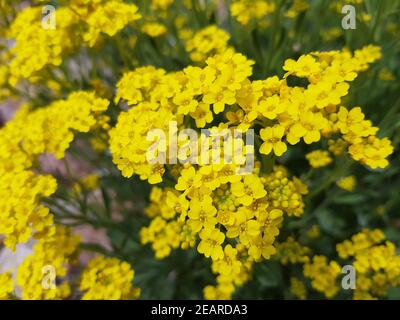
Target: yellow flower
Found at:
x=185, y=102
x=270, y=221
x=109, y=18
x=201, y=214
x=372, y=152
x=210, y=244
x=298, y=288
x=161, y=4
x=186, y=179
x=229, y=265
x=347, y=183
x=219, y=97
x=154, y=29
x=200, y=78
x=261, y=246
x=349, y=119
x=309, y=128
x=318, y=158
x=327, y=93
x=323, y=275
x=271, y=107
x=246, y=10
x=272, y=138
x=129, y=145
x=248, y=189
x=245, y=227
x=291, y=252
x=305, y=66
x=202, y=115
x=314, y=232
x=207, y=42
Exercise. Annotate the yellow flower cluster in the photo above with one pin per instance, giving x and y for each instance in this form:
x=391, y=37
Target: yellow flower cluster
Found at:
x=37, y=47
x=22, y=140
x=108, y=279
x=128, y=142
x=364, y=146
x=298, y=288
x=309, y=113
x=6, y=286
x=232, y=271
x=50, y=129
x=292, y=252
x=41, y=275
x=323, y=275
x=297, y=7
x=207, y=42
x=161, y=4
x=154, y=29
x=159, y=98
x=215, y=205
x=289, y=114
x=5, y=92
x=318, y=158
x=314, y=232
x=211, y=204
x=246, y=10
x=376, y=263
x=285, y=194
x=347, y=183
x=386, y=75
x=110, y=17
x=21, y=214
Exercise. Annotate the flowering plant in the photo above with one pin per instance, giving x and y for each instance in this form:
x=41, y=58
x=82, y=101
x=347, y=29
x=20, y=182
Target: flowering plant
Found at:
x=121, y=107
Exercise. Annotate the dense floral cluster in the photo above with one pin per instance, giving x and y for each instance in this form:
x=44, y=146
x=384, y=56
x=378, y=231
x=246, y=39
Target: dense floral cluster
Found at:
x=37, y=47
x=291, y=252
x=108, y=279
x=289, y=114
x=298, y=288
x=323, y=274
x=375, y=260
x=246, y=10
x=30, y=134
x=233, y=218
x=206, y=43
x=308, y=114
x=211, y=203
x=6, y=286
x=22, y=215
x=54, y=252
x=120, y=88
